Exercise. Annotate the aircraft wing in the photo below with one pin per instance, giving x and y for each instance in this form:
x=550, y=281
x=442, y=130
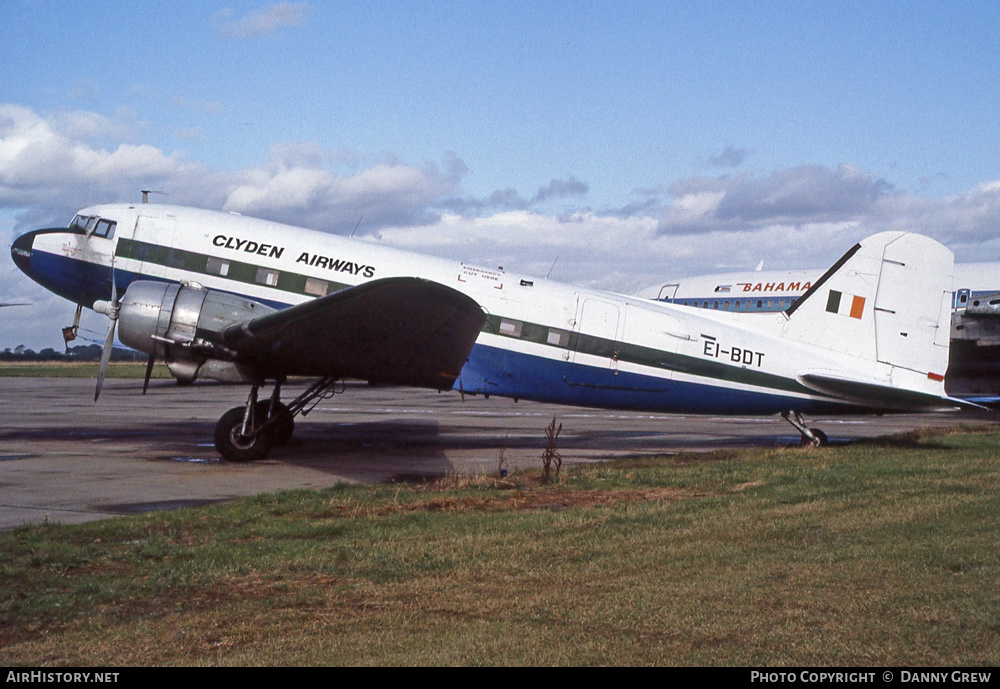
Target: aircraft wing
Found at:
x=405, y=331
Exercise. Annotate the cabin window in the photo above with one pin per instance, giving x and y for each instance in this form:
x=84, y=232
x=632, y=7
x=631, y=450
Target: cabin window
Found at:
x=266, y=276
x=510, y=328
x=217, y=266
x=175, y=258
x=725, y=305
x=317, y=288
x=737, y=304
x=559, y=338
x=760, y=303
x=715, y=304
x=142, y=252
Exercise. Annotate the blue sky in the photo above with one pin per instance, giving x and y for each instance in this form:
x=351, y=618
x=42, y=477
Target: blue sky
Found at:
x=632, y=141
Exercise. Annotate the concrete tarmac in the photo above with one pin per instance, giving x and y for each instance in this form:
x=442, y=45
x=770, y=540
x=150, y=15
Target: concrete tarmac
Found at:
x=65, y=459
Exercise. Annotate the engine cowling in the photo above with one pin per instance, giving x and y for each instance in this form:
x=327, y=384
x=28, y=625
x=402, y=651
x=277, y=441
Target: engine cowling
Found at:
x=182, y=324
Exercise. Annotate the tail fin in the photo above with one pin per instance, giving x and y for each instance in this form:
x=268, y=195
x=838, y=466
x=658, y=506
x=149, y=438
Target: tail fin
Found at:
x=887, y=301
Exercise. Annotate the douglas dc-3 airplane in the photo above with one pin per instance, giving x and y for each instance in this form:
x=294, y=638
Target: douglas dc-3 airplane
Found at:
x=223, y=296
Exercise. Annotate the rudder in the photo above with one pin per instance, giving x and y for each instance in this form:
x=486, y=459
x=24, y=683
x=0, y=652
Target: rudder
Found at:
x=886, y=301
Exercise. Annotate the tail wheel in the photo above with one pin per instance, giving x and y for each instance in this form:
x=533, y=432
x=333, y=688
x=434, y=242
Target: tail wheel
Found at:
x=233, y=445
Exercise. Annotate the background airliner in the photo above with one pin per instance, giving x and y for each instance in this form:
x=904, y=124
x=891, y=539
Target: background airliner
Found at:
x=234, y=298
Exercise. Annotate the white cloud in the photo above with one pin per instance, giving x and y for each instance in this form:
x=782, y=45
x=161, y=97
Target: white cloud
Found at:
x=260, y=23
x=586, y=248
x=804, y=216
x=295, y=187
x=730, y=156
x=808, y=202
x=559, y=188
x=795, y=196
x=46, y=159
x=92, y=126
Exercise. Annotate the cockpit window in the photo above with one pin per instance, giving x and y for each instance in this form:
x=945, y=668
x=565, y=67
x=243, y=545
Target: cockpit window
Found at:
x=92, y=225
x=80, y=223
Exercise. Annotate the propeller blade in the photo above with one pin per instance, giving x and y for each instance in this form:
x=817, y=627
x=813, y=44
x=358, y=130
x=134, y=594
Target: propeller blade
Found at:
x=109, y=342
x=149, y=372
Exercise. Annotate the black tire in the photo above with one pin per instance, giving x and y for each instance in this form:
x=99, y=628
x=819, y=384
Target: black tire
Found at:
x=820, y=436
x=230, y=443
x=283, y=427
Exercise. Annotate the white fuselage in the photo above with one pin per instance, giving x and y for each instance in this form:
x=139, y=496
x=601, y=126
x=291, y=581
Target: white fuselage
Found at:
x=542, y=340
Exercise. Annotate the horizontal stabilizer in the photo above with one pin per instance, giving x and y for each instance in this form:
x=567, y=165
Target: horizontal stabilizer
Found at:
x=876, y=395
x=404, y=331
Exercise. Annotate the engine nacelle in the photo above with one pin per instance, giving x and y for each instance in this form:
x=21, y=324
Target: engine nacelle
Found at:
x=183, y=324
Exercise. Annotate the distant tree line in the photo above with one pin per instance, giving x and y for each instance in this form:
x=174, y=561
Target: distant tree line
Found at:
x=90, y=352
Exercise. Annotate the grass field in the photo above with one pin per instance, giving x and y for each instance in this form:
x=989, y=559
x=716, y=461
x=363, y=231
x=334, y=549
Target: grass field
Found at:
x=74, y=369
x=881, y=553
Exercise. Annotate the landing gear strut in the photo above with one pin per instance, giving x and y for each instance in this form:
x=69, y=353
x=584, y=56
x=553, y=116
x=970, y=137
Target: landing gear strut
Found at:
x=810, y=436
x=249, y=432
x=69, y=333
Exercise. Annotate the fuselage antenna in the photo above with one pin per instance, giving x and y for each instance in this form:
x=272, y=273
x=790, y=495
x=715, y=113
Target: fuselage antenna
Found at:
x=147, y=192
x=357, y=225
x=550, y=269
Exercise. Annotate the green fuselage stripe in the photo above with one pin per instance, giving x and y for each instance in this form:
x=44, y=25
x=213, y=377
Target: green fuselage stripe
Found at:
x=287, y=281
x=650, y=357
x=193, y=262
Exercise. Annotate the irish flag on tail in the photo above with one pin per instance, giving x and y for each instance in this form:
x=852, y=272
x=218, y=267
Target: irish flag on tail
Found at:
x=845, y=304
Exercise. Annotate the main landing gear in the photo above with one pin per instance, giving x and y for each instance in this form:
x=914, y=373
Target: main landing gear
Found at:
x=810, y=436
x=249, y=432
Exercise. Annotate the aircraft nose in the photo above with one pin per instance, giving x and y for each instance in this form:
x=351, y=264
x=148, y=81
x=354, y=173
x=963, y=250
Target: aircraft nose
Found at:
x=20, y=251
